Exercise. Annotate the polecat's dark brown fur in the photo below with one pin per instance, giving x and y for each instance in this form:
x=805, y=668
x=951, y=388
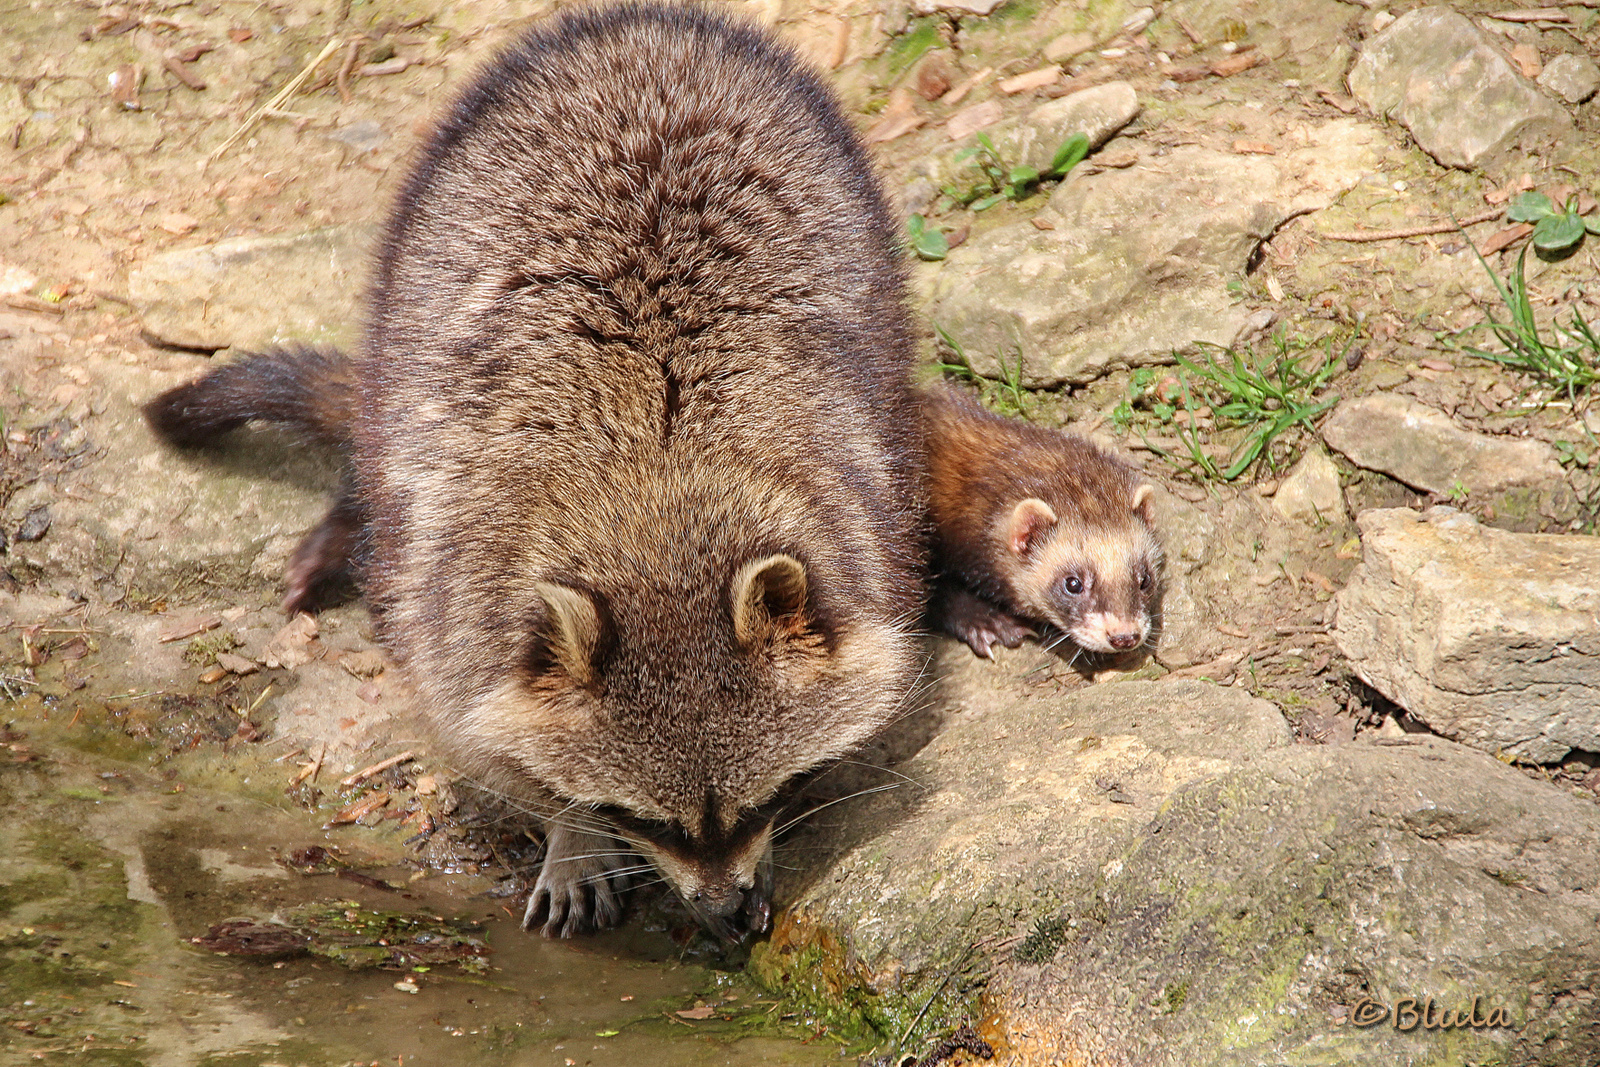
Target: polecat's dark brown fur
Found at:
x=636, y=450
x=1034, y=527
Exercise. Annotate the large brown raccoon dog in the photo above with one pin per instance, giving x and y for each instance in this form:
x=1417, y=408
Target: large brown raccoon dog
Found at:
x=637, y=467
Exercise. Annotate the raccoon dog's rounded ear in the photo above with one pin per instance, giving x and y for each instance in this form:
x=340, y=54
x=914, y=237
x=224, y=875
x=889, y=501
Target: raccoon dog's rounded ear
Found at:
x=768, y=599
x=572, y=632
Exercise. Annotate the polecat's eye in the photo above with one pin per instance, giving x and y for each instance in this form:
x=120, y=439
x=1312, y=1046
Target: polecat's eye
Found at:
x=1144, y=580
x=1072, y=584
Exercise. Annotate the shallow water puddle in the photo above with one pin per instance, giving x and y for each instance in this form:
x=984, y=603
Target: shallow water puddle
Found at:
x=108, y=869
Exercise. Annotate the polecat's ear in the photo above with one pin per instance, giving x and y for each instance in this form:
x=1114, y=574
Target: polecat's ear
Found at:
x=1142, y=498
x=768, y=598
x=571, y=634
x=1029, y=522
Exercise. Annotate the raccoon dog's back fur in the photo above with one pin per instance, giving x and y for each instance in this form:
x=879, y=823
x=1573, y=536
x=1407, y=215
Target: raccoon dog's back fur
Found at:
x=637, y=446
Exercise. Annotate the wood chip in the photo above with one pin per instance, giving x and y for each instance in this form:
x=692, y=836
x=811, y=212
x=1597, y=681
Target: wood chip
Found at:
x=1033, y=79
x=1042, y=224
x=970, y=120
x=178, y=69
x=1237, y=64
x=1526, y=57
x=240, y=34
x=1341, y=103
x=705, y=1011
x=1255, y=148
x=290, y=647
x=199, y=624
x=388, y=66
x=24, y=302
x=1321, y=582
x=1508, y=236
x=236, y=664
x=377, y=768
x=898, y=119
x=965, y=86
x=1535, y=14
x=359, y=810
x=1435, y=364
x=215, y=674
x=125, y=82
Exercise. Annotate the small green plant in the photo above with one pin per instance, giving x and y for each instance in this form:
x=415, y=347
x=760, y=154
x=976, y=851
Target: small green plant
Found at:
x=1567, y=363
x=1266, y=397
x=1555, y=229
x=927, y=242
x=1005, y=393
x=1000, y=181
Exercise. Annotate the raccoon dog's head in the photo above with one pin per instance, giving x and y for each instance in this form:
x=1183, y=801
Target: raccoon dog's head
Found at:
x=686, y=716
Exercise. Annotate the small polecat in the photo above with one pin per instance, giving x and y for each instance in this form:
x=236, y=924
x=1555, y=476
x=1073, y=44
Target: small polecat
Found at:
x=1035, y=526
x=638, y=480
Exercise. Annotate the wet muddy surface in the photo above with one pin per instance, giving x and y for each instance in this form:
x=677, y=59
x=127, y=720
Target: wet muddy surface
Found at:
x=118, y=851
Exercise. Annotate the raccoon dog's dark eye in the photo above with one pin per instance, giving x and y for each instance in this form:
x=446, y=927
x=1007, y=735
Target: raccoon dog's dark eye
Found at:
x=1072, y=584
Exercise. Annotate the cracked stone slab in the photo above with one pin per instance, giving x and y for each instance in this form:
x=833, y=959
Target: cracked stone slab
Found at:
x=1425, y=449
x=1138, y=260
x=1438, y=75
x=1489, y=637
x=254, y=291
x=1151, y=873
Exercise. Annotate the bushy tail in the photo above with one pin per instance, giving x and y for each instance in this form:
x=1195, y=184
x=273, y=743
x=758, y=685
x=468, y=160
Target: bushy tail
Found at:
x=305, y=386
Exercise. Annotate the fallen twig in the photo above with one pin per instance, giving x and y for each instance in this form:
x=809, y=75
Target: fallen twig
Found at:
x=1413, y=231
x=272, y=105
x=377, y=768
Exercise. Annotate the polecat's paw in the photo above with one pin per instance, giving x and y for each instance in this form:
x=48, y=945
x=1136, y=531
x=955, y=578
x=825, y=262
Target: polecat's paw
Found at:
x=982, y=625
x=576, y=892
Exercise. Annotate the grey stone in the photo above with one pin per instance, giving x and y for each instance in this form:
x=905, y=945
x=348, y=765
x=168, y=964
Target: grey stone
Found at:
x=1574, y=78
x=253, y=291
x=1489, y=637
x=1425, y=449
x=1438, y=75
x=1310, y=492
x=1233, y=913
x=1097, y=113
x=955, y=7
x=1138, y=261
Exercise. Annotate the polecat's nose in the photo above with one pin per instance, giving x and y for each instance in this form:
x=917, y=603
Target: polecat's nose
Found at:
x=1123, y=641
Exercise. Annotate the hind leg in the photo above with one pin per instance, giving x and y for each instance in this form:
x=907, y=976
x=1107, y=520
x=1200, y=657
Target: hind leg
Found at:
x=326, y=555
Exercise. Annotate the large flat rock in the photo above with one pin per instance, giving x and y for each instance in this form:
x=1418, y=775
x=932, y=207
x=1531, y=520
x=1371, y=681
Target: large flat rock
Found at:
x=255, y=291
x=1425, y=449
x=1150, y=873
x=1489, y=637
x=1439, y=76
x=1137, y=260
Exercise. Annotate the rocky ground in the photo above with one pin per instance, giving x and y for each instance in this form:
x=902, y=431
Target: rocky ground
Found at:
x=1361, y=766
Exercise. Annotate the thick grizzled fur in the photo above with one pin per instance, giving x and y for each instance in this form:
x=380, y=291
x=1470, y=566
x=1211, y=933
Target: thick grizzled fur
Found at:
x=1035, y=527
x=638, y=471
x=637, y=446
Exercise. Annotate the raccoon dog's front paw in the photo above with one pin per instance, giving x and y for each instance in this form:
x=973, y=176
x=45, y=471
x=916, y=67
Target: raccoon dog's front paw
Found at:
x=576, y=891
